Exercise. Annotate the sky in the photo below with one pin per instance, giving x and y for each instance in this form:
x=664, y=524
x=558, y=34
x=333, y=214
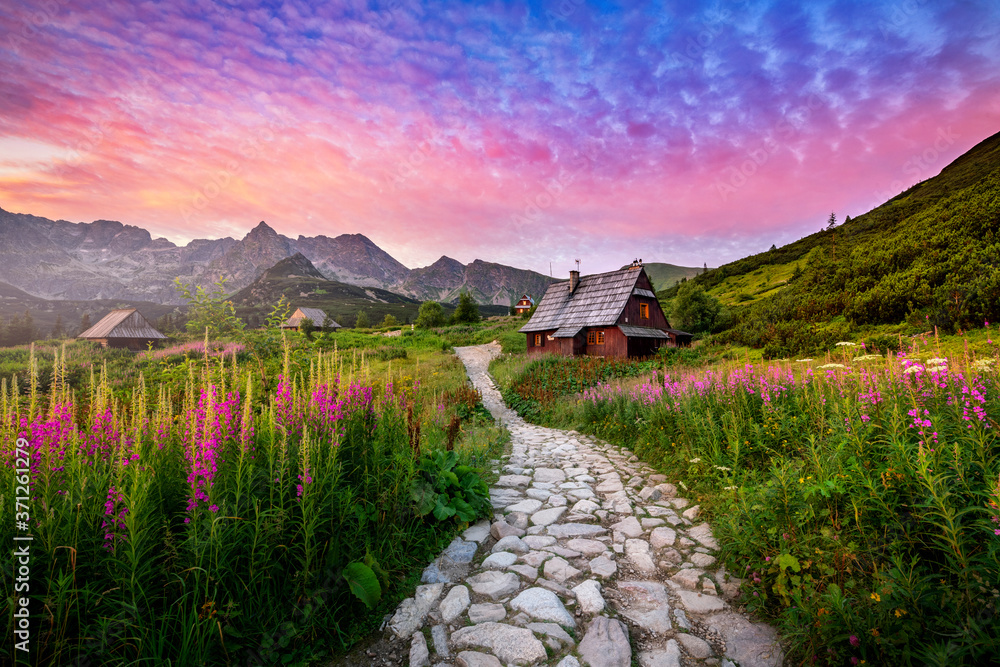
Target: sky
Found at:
x=532, y=134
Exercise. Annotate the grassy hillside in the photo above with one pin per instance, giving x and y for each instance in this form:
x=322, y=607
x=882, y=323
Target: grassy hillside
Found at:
x=928, y=257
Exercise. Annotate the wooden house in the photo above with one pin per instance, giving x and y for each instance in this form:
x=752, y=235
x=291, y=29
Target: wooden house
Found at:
x=612, y=314
x=524, y=304
x=123, y=328
x=315, y=314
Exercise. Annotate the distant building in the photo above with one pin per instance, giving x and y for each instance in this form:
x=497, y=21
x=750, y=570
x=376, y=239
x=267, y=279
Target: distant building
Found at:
x=612, y=314
x=315, y=314
x=524, y=305
x=123, y=328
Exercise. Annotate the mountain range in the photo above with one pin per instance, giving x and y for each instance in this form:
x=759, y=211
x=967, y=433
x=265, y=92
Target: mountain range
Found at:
x=105, y=259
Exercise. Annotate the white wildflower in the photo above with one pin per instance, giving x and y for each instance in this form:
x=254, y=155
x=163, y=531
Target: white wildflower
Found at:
x=844, y=343
x=867, y=357
x=723, y=468
x=697, y=460
x=803, y=360
x=683, y=485
x=913, y=369
x=937, y=361
x=729, y=488
x=833, y=366
x=936, y=369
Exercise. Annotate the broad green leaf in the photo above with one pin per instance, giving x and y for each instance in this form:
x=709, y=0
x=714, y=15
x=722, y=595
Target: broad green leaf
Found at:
x=442, y=511
x=464, y=509
x=364, y=584
x=424, y=496
x=788, y=560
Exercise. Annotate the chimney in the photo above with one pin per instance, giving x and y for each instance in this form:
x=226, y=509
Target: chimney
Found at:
x=574, y=280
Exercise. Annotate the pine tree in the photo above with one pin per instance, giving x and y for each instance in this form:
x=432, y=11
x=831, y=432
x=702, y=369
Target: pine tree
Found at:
x=467, y=311
x=85, y=322
x=59, y=329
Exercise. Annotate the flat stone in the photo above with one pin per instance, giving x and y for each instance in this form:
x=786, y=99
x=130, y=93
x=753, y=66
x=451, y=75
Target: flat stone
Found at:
x=585, y=507
x=539, y=541
x=412, y=612
x=499, y=560
x=696, y=603
x=581, y=494
x=511, y=645
x=651, y=523
x=668, y=490
x=482, y=613
x=552, y=475
x=589, y=598
x=702, y=560
x=517, y=519
x=535, y=558
x=460, y=551
x=670, y=558
x=688, y=578
x=477, y=532
x=420, y=656
x=650, y=494
x=682, y=619
x=569, y=661
x=494, y=585
x=453, y=604
x=543, y=605
x=546, y=517
x=703, y=533
x=602, y=566
x=439, y=635
x=696, y=646
x=433, y=574
x=670, y=656
x=527, y=571
x=559, y=570
x=476, y=659
x=610, y=486
x=587, y=547
x=747, y=644
x=563, y=551
x=513, y=480
x=552, y=630
x=502, y=529
x=528, y=506
x=575, y=530
x=605, y=644
x=637, y=551
x=648, y=605
x=662, y=537
x=511, y=543
x=691, y=513
x=538, y=494
x=629, y=527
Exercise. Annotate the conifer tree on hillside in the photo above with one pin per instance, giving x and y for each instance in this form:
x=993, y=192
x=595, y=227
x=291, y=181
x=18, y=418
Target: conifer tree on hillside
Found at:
x=59, y=329
x=85, y=322
x=467, y=311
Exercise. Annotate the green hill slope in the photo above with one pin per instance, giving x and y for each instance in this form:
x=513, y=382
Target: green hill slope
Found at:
x=667, y=275
x=929, y=256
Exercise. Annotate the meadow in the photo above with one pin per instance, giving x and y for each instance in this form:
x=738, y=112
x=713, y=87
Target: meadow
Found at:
x=262, y=500
x=858, y=496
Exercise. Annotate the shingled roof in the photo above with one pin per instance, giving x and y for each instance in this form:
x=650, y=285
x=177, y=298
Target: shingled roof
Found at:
x=597, y=301
x=315, y=314
x=122, y=323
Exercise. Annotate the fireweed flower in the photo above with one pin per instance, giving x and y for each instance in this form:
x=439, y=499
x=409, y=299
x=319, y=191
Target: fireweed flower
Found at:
x=114, y=515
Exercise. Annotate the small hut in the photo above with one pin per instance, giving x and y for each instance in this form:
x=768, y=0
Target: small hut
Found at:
x=317, y=316
x=123, y=328
x=524, y=304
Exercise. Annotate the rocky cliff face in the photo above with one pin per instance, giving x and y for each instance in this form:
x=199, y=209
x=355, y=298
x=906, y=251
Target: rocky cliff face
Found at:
x=105, y=259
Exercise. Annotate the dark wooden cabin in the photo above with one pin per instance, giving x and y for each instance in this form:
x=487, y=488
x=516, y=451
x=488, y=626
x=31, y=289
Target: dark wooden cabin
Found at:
x=612, y=314
x=123, y=328
x=524, y=304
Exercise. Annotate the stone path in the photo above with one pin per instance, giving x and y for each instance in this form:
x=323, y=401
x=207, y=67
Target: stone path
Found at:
x=591, y=556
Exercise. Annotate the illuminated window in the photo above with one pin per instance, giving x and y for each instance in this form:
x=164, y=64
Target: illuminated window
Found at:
x=538, y=340
x=591, y=338
x=600, y=338
x=644, y=311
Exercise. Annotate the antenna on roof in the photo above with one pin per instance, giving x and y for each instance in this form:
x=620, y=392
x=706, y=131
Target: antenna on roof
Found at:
x=550, y=269
x=578, y=265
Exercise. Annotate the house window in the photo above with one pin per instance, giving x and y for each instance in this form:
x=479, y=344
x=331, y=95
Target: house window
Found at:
x=644, y=311
x=538, y=340
x=595, y=338
x=600, y=338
